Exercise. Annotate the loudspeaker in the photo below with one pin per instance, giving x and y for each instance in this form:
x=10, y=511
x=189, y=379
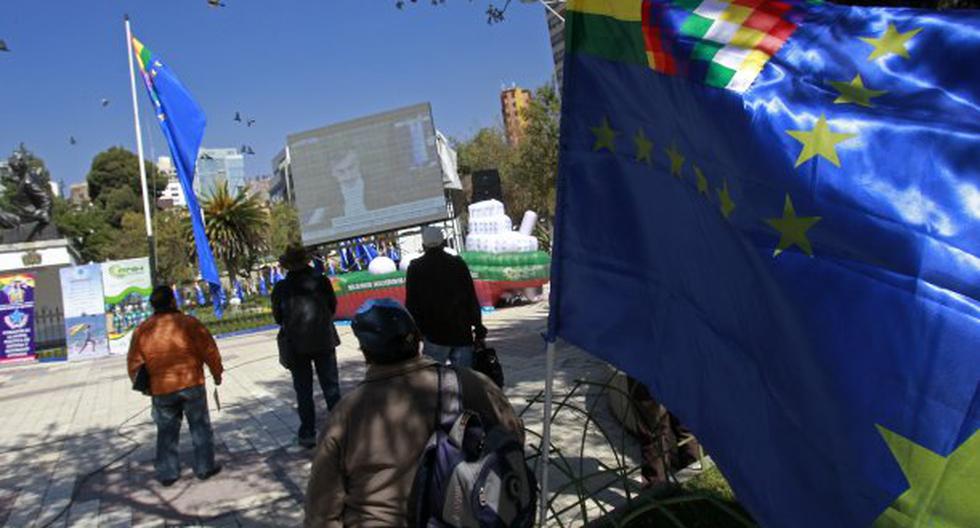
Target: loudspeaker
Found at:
x=486, y=186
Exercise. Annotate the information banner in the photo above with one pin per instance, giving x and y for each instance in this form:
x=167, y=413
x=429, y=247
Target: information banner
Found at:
x=127, y=286
x=16, y=316
x=85, y=320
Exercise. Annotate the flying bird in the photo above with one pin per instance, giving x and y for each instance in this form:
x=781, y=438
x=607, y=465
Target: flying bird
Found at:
x=216, y=3
x=238, y=117
x=249, y=122
x=3, y=46
x=105, y=102
x=71, y=140
x=250, y=151
x=207, y=157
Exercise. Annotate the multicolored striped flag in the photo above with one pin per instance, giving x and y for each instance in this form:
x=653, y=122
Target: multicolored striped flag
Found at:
x=769, y=212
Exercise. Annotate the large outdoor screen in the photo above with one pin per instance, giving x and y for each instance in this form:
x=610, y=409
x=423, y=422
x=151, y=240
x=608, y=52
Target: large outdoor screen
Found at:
x=368, y=175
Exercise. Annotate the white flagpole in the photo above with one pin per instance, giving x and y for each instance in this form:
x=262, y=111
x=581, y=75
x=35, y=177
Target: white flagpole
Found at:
x=139, y=152
x=549, y=374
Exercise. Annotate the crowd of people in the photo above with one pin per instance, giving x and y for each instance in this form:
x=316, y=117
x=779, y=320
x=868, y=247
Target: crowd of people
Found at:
x=369, y=464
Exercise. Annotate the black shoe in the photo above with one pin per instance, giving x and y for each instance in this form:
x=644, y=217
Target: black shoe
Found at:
x=167, y=483
x=308, y=442
x=214, y=471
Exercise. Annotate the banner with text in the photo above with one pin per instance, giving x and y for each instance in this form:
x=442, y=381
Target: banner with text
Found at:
x=16, y=316
x=127, y=285
x=86, y=335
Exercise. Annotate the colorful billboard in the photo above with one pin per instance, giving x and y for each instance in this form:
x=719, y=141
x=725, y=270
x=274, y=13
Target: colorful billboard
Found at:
x=127, y=285
x=86, y=335
x=16, y=316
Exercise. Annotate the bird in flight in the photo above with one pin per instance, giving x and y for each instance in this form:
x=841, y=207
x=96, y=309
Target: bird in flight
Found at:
x=247, y=150
x=105, y=102
x=216, y=3
x=238, y=117
x=71, y=140
x=3, y=46
x=249, y=122
x=207, y=156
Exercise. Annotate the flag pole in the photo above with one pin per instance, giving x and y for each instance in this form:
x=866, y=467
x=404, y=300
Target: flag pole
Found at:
x=549, y=374
x=139, y=153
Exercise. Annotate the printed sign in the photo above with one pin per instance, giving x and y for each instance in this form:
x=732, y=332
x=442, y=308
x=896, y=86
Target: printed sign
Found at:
x=127, y=285
x=86, y=335
x=16, y=316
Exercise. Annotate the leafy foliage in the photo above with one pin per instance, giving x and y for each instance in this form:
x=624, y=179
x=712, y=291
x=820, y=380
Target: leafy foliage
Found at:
x=176, y=259
x=114, y=183
x=236, y=226
x=283, y=228
x=86, y=228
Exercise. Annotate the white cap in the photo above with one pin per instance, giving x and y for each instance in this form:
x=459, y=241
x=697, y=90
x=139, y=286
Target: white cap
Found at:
x=432, y=237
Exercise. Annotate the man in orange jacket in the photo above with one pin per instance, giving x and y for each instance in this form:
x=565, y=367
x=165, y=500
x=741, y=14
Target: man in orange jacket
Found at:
x=175, y=347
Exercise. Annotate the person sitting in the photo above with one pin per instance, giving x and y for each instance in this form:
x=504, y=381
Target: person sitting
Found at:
x=174, y=348
x=365, y=463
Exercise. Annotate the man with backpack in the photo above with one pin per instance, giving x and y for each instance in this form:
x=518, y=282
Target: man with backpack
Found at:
x=440, y=295
x=303, y=305
x=375, y=464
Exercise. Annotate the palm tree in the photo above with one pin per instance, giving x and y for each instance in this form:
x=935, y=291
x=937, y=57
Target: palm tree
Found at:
x=236, y=226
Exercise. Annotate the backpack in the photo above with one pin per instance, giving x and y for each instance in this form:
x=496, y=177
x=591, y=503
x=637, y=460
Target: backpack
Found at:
x=468, y=476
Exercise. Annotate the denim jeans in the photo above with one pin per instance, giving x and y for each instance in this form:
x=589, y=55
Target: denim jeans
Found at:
x=168, y=411
x=460, y=356
x=326, y=373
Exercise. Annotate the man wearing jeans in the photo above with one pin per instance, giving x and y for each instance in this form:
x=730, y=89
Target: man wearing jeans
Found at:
x=174, y=348
x=439, y=294
x=303, y=305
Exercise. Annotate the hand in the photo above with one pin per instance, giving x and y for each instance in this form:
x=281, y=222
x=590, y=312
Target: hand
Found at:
x=217, y=380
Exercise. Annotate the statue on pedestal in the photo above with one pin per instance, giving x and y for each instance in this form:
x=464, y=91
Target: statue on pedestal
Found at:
x=29, y=201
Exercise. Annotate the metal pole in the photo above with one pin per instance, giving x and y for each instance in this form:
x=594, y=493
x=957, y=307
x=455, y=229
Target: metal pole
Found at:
x=549, y=374
x=139, y=153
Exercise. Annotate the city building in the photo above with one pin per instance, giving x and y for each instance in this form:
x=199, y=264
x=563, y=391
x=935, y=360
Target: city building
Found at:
x=78, y=194
x=172, y=195
x=217, y=165
x=554, y=12
x=513, y=101
x=282, y=179
x=261, y=187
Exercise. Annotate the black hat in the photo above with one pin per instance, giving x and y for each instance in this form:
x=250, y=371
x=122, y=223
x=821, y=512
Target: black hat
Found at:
x=295, y=258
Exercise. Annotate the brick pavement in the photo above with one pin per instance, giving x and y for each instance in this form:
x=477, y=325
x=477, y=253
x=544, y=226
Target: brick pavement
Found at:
x=76, y=444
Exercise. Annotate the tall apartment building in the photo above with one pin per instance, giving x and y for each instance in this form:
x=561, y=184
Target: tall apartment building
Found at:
x=217, y=165
x=512, y=102
x=556, y=30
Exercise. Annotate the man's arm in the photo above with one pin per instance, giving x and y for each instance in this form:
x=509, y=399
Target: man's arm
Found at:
x=325, y=492
x=204, y=343
x=134, y=359
x=276, y=309
x=331, y=296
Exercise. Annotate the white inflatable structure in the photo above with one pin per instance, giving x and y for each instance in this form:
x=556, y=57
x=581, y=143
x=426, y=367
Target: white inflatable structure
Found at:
x=491, y=230
x=381, y=265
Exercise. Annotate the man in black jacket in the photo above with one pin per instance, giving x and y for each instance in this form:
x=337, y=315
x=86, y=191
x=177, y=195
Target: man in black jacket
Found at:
x=303, y=305
x=439, y=294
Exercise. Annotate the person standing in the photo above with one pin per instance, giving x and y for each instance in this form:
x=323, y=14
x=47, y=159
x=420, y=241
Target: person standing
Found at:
x=365, y=464
x=440, y=295
x=174, y=348
x=666, y=445
x=303, y=305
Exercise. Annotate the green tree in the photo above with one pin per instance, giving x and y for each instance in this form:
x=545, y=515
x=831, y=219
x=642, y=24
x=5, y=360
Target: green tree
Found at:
x=283, y=228
x=114, y=183
x=176, y=259
x=237, y=226
x=86, y=229
x=487, y=150
x=130, y=239
x=531, y=183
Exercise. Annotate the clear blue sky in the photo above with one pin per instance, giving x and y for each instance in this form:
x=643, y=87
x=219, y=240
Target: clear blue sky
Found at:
x=291, y=64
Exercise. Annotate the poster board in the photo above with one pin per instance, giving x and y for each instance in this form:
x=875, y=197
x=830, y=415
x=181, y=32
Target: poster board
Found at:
x=127, y=286
x=17, y=316
x=86, y=335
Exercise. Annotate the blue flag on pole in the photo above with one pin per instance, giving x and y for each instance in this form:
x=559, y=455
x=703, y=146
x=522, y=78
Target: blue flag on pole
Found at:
x=769, y=212
x=182, y=122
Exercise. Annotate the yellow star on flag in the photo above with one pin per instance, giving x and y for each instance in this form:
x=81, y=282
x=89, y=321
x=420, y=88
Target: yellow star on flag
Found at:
x=605, y=137
x=892, y=42
x=727, y=205
x=702, y=181
x=821, y=141
x=676, y=160
x=855, y=92
x=792, y=229
x=643, y=147
x=943, y=490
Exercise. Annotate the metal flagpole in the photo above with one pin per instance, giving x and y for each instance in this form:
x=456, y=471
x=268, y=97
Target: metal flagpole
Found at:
x=139, y=153
x=549, y=374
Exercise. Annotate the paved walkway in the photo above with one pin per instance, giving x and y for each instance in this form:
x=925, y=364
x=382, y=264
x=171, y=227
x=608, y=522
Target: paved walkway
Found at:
x=76, y=444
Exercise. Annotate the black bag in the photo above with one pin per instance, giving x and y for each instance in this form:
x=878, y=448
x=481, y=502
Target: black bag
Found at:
x=141, y=383
x=485, y=362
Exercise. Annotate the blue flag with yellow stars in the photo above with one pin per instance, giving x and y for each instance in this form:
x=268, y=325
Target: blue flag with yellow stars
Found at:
x=182, y=122
x=769, y=212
